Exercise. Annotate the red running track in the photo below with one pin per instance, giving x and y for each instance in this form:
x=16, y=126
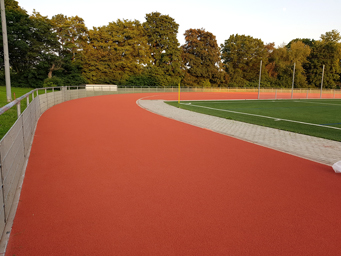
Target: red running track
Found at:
x=106, y=177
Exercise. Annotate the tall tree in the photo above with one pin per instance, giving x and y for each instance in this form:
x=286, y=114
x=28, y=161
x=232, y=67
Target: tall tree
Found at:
x=326, y=51
x=281, y=64
x=162, y=31
x=241, y=56
x=201, y=59
x=32, y=45
x=115, y=52
x=306, y=41
x=44, y=40
x=298, y=53
x=72, y=34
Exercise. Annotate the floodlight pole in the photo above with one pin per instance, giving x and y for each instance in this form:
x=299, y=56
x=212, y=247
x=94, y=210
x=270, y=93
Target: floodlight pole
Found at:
x=322, y=82
x=260, y=76
x=293, y=81
x=6, y=58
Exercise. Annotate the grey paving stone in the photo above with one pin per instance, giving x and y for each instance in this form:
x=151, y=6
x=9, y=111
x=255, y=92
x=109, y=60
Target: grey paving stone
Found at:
x=316, y=149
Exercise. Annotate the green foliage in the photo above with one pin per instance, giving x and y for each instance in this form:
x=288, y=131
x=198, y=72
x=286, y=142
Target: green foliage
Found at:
x=32, y=46
x=152, y=76
x=241, y=56
x=306, y=41
x=161, y=31
x=115, y=52
x=325, y=52
x=128, y=52
x=201, y=59
x=53, y=81
x=72, y=34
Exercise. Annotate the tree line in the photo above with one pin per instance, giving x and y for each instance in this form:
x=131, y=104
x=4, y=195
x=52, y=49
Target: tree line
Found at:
x=63, y=51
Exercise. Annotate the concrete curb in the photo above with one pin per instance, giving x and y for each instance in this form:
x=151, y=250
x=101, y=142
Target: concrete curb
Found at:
x=316, y=149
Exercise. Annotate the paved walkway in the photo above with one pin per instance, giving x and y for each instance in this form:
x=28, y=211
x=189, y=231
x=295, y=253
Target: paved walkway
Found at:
x=312, y=148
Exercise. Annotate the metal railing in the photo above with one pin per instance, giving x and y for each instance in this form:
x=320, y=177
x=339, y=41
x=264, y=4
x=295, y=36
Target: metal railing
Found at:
x=15, y=146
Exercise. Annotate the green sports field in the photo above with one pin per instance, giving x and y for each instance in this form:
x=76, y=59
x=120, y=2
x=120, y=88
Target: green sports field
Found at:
x=315, y=117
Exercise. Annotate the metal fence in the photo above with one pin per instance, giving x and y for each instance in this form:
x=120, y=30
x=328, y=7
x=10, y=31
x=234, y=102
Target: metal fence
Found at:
x=15, y=146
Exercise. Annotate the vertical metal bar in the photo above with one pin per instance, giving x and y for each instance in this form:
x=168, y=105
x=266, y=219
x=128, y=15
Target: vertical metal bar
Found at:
x=28, y=100
x=23, y=134
x=2, y=188
x=54, y=97
x=39, y=106
x=260, y=77
x=47, y=100
x=322, y=82
x=19, y=109
x=293, y=82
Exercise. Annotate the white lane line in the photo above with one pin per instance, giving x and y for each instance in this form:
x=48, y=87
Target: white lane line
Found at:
x=274, y=118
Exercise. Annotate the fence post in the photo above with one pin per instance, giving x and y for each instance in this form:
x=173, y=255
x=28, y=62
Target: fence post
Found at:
x=47, y=100
x=28, y=100
x=2, y=189
x=23, y=135
x=54, y=97
x=260, y=77
x=19, y=109
x=322, y=82
x=38, y=98
x=63, y=93
x=293, y=81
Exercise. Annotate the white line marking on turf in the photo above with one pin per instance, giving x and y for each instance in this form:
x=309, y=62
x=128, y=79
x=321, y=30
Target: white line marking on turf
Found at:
x=275, y=118
x=318, y=103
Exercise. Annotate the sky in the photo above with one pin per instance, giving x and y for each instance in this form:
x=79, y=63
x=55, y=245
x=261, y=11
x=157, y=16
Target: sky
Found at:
x=277, y=21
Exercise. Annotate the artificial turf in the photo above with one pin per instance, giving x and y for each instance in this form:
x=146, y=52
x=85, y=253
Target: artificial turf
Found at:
x=315, y=117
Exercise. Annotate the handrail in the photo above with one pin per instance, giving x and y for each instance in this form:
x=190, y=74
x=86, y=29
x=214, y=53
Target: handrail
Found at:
x=14, y=102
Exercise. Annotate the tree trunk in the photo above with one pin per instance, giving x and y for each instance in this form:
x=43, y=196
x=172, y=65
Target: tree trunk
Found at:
x=50, y=72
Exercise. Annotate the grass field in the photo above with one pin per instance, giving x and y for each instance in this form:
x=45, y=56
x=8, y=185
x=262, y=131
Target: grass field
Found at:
x=8, y=118
x=315, y=117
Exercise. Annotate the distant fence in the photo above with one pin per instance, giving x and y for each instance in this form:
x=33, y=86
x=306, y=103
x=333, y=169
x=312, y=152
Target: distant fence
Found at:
x=15, y=146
